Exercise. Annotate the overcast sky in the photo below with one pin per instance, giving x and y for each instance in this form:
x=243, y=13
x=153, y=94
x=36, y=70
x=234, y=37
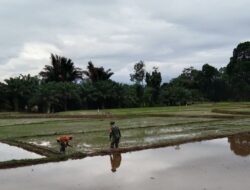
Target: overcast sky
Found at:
x=170, y=34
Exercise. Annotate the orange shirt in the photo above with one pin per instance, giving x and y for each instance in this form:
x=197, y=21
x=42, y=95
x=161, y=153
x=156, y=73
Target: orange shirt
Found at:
x=65, y=138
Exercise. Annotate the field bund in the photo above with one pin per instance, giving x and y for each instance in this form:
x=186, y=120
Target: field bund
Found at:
x=141, y=128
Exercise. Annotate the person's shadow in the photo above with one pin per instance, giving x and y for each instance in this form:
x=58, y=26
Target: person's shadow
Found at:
x=115, y=160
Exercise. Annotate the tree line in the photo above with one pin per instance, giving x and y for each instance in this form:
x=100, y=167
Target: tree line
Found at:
x=61, y=86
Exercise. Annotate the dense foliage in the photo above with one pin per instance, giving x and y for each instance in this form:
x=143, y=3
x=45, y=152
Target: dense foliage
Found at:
x=61, y=86
x=60, y=70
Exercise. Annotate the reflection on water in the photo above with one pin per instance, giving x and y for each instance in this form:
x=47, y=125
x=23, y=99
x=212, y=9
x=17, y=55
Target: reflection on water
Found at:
x=115, y=160
x=194, y=166
x=177, y=147
x=8, y=152
x=240, y=144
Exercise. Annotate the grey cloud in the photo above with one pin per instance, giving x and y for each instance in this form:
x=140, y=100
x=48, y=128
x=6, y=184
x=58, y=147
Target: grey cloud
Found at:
x=116, y=34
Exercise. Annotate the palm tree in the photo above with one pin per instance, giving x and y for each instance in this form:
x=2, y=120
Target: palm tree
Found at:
x=46, y=97
x=4, y=103
x=97, y=73
x=61, y=69
x=20, y=89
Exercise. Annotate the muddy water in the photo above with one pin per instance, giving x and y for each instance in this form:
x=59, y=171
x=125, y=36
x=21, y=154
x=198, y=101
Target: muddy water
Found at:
x=11, y=152
x=194, y=166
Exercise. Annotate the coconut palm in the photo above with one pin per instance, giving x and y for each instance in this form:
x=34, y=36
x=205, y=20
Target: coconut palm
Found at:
x=61, y=69
x=97, y=73
x=20, y=89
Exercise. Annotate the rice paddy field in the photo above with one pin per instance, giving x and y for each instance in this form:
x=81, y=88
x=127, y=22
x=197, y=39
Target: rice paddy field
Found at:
x=141, y=128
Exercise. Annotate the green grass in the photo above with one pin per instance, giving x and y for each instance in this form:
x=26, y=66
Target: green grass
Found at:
x=139, y=126
x=195, y=108
x=144, y=135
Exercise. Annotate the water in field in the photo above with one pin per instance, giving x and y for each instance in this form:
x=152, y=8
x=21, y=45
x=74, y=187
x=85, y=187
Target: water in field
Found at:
x=222, y=164
x=8, y=152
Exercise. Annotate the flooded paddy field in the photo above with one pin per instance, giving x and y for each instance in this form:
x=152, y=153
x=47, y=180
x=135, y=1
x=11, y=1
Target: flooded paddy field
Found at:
x=215, y=164
x=14, y=153
x=142, y=128
x=145, y=134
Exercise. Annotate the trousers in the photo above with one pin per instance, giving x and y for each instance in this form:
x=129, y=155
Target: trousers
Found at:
x=115, y=143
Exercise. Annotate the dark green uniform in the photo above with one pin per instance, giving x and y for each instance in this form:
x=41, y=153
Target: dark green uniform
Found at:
x=114, y=136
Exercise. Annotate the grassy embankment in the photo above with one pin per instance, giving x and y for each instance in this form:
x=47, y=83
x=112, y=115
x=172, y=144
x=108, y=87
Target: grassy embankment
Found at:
x=141, y=128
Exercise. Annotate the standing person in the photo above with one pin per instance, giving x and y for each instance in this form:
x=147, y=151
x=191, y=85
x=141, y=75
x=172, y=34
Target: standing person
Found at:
x=114, y=135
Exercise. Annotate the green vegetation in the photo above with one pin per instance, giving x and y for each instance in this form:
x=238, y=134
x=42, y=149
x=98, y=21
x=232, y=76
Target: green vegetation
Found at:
x=141, y=128
x=65, y=99
x=61, y=86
